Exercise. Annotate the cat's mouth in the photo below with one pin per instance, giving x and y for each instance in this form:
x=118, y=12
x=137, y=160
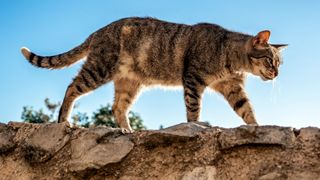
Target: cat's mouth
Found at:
x=265, y=77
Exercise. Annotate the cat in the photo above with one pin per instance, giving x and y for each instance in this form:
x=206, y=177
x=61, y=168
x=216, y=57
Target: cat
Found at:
x=138, y=52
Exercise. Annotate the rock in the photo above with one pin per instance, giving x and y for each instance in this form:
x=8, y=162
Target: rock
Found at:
x=178, y=133
x=93, y=148
x=130, y=178
x=271, y=176
x=23, y=130
x=45, y=141
x=185, y=151
x=201, y=173
x=304, y=175
x=184, y=129
x=6, y=138
x=309, y=134
x=243, y=135
x=86, y=139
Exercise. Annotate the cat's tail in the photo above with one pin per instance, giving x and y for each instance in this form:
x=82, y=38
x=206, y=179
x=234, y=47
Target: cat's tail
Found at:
x=58, y=61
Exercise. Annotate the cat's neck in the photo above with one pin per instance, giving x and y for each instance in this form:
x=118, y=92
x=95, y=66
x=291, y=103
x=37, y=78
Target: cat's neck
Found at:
x=237, y=54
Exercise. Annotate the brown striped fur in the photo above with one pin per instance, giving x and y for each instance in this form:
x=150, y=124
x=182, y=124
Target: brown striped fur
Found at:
x=140, y=52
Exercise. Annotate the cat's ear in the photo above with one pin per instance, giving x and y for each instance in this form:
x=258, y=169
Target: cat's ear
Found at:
x=261, y=38
x=280, y=47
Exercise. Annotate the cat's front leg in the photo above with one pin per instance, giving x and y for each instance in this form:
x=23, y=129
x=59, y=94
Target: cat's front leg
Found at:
x=193, y=90
x=233, y=91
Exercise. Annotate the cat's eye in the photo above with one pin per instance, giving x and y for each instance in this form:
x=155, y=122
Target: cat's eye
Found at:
x=269, y=60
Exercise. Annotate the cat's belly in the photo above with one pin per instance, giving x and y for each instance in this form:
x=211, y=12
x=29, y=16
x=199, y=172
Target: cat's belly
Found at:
x=159, y=82
x=147, y=74
x=148, y=79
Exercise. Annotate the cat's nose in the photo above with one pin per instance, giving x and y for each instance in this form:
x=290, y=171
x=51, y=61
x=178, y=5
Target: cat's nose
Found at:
x=271, y=73
x=275, y=73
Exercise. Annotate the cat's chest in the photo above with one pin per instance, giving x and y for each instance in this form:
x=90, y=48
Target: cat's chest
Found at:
x=223, y=75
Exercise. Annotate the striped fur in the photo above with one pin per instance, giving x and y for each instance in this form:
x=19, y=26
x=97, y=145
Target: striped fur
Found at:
x=57, y=61
x=141, y=52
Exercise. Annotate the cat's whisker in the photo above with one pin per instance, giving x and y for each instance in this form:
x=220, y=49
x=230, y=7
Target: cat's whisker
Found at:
x=274, y=91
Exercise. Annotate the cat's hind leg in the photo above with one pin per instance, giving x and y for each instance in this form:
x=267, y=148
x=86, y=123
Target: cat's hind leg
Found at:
x=126, y=91
x=93, y=74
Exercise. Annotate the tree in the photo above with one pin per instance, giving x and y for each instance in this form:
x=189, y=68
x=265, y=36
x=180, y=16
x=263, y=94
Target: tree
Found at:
x=52, y=107
x=81, y=119
x=31, y=116
x=102, y=116
x=136, y=121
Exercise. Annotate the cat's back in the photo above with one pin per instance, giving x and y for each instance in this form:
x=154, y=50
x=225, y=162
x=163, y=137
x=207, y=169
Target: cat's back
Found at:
x=153, y=50
x=161, y=32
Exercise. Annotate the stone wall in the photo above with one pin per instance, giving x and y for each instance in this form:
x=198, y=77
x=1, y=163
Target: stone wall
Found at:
x=184, y=151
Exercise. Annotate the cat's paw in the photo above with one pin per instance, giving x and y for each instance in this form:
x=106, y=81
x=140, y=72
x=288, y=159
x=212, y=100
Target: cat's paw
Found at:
x=253, y=124
x=66, y=123
x=126, y=131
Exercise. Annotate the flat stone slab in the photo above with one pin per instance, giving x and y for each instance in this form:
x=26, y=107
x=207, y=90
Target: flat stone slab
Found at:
x=309, y=134
x=97, y=147
x=256, y=135
x=178, y=133
x=45, y=141
x=190, y=129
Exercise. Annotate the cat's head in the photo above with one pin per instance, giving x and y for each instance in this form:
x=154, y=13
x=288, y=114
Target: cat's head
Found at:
x=265, y=58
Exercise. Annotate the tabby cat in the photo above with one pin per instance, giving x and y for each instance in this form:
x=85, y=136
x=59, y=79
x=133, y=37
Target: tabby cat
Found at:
x=140, y=52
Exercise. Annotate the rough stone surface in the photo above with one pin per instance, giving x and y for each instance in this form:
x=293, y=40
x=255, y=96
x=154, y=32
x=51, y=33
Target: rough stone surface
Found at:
x=201, y=173
x=45, y=141
x=186, y=151
x=6, y=138
x=257, y=135
x=185, y=129
x=95, y=148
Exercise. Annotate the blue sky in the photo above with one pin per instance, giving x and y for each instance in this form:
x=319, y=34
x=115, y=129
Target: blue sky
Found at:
x=51, y=27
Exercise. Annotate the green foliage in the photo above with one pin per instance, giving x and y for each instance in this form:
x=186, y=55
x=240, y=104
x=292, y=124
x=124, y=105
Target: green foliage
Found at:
x=81, y=119
x=136, y=121
x=102, y=116
x=31, y=116
x=52, y=107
